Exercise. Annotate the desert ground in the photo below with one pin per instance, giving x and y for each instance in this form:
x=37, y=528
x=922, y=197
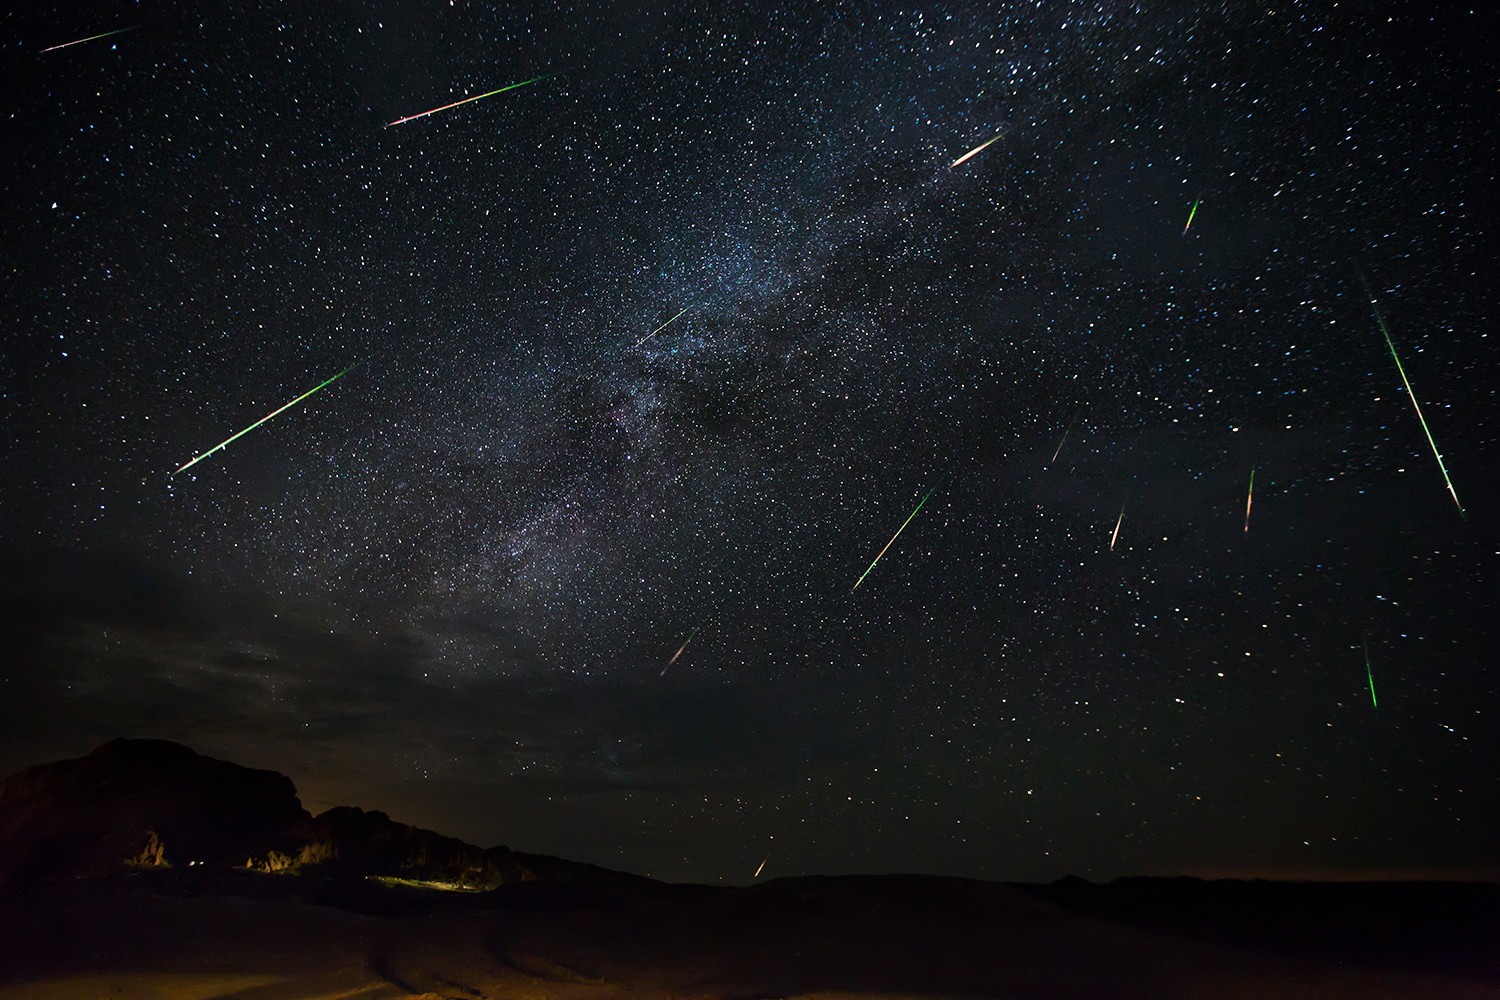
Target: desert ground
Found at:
x=265, y=937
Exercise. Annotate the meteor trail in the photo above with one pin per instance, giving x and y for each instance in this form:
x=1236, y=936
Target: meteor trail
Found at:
x=895, y=536
x=659, y=329
x=1249, y=496
x=1063, y=441
x=1192, y=212
x=1368, y=674
x=1405, y=381
x=466, y=100
x=973, y=152
x=762, y=865
x=117, y=31
x=679, y=650
x=263, y=419
x=1117, y=529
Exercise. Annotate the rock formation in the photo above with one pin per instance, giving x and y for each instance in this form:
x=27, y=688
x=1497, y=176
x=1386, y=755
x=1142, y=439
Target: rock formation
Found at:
x=138, y=804
x=314, y=853
x=152, y=853
x=371, y=843
x=131, y=799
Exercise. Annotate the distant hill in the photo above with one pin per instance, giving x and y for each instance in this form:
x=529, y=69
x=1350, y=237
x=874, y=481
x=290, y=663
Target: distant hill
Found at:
x=151, y=804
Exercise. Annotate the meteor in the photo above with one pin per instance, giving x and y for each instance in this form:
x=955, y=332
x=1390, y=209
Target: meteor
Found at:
x=1413, y=396
x=1192, y=212
x=973, y=152
x=1117, y=529
x=263, y=419
x=659, y=329
x=1368, y=674
x=1063, y=441
x=1249, y=496
x=117, y=31
x=895, y=536
x=762, y=865
x=476, y=97
x=679, y=650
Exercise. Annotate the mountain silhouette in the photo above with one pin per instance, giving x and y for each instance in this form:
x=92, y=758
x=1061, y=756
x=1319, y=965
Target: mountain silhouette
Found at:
x=154, y=804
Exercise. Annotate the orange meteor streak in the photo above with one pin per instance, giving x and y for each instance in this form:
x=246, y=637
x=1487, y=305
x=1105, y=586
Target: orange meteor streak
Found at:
x=679, y=650
x=1117, y=529
x=973, y=152
x=466, y=100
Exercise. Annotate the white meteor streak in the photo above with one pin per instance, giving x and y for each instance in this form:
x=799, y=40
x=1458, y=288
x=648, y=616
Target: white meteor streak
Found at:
x=117, y=31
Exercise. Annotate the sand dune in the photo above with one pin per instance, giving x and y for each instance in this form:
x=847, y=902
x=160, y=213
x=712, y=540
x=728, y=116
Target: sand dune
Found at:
x=843, y=938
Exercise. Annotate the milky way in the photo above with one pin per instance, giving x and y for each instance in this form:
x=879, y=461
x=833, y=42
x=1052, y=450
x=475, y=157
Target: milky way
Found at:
x=667, y=341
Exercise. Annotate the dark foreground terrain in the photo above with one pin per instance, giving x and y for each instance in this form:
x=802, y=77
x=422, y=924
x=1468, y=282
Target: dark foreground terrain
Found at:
x=258, y=936
x=145, y=870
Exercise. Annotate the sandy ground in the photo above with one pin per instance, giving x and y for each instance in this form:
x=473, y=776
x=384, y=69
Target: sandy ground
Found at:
x=831, y=941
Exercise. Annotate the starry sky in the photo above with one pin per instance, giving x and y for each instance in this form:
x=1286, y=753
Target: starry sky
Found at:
x=451, y=583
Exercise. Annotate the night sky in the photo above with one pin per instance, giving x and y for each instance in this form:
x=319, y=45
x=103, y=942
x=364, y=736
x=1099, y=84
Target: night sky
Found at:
x=449, y=584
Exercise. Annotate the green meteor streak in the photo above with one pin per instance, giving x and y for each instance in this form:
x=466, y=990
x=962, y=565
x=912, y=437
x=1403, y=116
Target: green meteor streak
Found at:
x=1368, y=674
x=263, y=419
x=896, y=535
x=117, y=31
x=1191, y=213
x=1407, y=382
x=466, y=100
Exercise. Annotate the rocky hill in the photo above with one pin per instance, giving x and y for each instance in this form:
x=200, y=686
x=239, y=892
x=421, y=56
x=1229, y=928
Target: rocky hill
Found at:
x=134, y=804
x=142, y=802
